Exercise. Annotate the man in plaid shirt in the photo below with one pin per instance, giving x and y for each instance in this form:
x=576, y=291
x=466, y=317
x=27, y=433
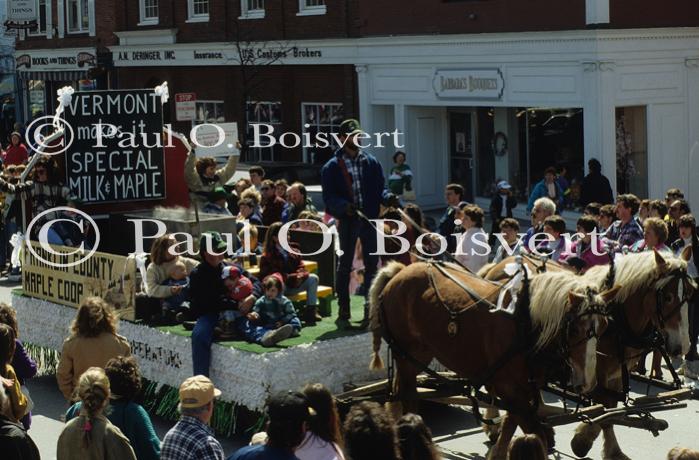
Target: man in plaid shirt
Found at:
x=191, y=437
x=625, y=231
x=353, y=181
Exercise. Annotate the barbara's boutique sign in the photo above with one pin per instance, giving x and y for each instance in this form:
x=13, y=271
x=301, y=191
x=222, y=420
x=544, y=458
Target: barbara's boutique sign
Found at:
x=473, y=84
x=117, y=149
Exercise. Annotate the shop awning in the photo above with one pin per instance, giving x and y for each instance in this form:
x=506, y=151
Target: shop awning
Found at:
x=53, y=75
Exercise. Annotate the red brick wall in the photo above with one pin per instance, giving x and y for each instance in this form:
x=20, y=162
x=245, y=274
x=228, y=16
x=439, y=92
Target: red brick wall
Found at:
x=108, y=18
x=650, y=13
x=291, y=85
x=280, y=21
x=389, y=17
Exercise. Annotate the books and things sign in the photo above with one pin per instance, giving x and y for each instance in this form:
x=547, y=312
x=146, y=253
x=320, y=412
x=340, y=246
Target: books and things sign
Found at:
x=116, y=152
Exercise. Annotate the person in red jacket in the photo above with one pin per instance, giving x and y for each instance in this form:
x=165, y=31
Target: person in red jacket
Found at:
x=16, y=153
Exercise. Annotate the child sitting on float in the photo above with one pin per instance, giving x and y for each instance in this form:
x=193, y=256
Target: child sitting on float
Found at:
x=273, y=317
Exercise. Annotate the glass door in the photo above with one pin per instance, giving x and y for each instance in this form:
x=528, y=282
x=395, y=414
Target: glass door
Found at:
x=461, y=152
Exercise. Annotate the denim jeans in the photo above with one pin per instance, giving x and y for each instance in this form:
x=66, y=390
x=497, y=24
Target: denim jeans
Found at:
x=348, y=231
x=257, y=332
x=310, y=285
x=202, y=338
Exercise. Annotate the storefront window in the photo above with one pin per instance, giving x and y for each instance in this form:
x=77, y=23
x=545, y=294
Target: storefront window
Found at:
x=321, y=118
x=631, y=151
x=36, y=103
x=209, y=112
x=555, y=139
x=263, y=112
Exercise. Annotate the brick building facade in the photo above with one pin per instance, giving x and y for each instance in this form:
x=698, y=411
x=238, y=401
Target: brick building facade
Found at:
x=555, y=84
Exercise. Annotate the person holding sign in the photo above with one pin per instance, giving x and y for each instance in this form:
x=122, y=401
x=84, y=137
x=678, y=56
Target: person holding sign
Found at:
x=202, y=177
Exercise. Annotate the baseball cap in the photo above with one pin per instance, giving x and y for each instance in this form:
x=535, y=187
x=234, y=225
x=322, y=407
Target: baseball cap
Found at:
x=217, y=242
x=230, y=271
x=504, y=185
x=197, y=391
x=218, y=193
x=349, y=127
x=289, y=406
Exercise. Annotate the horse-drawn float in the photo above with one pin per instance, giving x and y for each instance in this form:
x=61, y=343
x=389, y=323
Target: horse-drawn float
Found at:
x=503, y=343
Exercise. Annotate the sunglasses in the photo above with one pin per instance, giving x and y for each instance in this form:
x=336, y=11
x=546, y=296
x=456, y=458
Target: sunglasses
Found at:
x=41, y=171
x=264, y=188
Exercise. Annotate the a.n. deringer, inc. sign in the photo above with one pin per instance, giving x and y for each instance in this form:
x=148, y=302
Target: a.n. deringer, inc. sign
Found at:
x=475, y=84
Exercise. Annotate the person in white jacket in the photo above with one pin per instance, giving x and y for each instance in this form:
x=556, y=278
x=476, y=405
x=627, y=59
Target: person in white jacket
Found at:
x=472, y=248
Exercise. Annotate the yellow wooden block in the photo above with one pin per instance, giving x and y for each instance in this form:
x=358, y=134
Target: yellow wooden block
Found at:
x=323, y=291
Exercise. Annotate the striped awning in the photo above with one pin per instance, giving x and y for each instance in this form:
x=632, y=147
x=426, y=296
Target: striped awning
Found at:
x=53, y=75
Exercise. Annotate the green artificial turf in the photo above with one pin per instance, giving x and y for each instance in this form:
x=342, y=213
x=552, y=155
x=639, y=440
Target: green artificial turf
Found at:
x=324, y=330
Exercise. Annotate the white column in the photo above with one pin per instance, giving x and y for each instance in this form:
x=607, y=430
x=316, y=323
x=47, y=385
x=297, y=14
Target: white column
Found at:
x=60, y=15
x=607, y=116
x=592, y=126
x=49, y=19
x=92, y=26
x=693, y=132
x=364, y=91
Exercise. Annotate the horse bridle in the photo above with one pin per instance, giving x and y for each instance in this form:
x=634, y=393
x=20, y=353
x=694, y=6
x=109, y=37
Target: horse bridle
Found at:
x=683, y=277
x=572, y=317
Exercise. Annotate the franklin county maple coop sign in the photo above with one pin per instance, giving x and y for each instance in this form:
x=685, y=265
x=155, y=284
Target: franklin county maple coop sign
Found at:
x=117, y=148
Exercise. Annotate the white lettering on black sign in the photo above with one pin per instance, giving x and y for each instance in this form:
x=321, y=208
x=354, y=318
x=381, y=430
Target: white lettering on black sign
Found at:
x=117, y=152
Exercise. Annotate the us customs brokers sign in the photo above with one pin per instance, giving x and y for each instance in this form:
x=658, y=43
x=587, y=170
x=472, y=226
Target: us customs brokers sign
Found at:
x=116, y=152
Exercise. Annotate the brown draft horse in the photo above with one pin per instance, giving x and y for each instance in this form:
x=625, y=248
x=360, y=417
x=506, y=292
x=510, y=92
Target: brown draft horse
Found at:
x=427, y=315
x=654, y=295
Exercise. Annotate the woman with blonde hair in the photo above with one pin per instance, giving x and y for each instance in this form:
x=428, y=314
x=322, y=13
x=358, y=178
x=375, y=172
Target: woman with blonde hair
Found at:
x=93, y=341
x=91, y=436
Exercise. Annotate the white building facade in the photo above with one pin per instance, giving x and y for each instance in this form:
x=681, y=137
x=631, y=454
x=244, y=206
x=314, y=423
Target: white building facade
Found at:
x=634, y=91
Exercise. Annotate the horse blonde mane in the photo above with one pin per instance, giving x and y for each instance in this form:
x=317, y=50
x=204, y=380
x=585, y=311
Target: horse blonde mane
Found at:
x=549, y=301
x=634, y=272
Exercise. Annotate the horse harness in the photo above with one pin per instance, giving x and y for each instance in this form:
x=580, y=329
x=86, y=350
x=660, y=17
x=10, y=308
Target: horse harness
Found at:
x=523, y=343
x=651, y=338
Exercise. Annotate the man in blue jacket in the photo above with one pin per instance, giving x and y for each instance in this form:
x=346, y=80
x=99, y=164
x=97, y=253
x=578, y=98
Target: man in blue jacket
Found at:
x=352, y=181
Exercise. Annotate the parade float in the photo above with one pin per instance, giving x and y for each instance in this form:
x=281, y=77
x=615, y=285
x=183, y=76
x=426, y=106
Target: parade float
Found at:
x=119, y=183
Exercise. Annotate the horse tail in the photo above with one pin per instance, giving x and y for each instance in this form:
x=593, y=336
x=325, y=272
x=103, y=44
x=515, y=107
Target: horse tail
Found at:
x=380, y=281
x=483, y=272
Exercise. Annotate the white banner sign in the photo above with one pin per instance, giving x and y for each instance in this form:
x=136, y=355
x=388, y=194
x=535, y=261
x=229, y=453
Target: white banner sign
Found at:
x=185, y=106
x=474, y=84
x=21, y=10
x=214, y=140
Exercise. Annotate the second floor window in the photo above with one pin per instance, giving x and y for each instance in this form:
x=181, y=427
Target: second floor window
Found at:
x=198, y=9
x=311, y=7
x=41, y=18
x=252, y=9
x=78, y=16
x=149, y=11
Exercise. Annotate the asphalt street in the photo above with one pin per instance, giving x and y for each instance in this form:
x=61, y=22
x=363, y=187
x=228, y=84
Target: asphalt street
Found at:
x=453, y=427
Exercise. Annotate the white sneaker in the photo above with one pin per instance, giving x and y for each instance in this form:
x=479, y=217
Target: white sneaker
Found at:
x=272, y=338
